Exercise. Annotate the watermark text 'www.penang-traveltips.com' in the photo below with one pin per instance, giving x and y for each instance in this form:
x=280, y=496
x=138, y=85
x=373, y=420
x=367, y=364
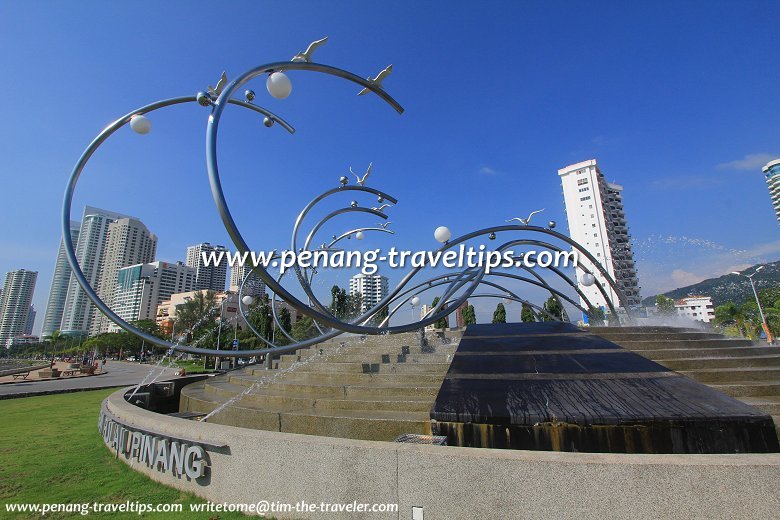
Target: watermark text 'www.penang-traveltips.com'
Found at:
x=368, y=261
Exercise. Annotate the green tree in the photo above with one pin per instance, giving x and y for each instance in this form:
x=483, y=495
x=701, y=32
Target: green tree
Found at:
x=441, y=323
x=260, y=316
x=149, y=326
x=380, y=316
x=526, y=314
x=285, y=319
x=469, y=315
x=197, y=318
x=345, y=306
x=665, y=305
x=596, y=316
x=554, y=307
x=499, y=316
x=731, y=315
x=304, y=329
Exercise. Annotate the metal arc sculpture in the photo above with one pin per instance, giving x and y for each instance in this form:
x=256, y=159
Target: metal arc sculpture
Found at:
x=455, y=289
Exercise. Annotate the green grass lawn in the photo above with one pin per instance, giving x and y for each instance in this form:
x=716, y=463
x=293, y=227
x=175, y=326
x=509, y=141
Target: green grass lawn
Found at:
x=51, y=452
x=192, y=367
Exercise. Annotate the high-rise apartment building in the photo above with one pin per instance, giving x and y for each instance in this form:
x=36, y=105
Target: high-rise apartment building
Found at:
x=211, y=277
x=15, y=303
x=373, y=288
x=52, y=319
x=28, y=327
x=772, y=176
x=90, y=253
x=594, y=210
x=254, y=286
x=141, y=288
x=128, y=242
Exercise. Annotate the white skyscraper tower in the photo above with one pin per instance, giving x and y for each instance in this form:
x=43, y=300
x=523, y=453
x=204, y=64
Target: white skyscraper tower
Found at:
x=90, y=251
x=15, y=302
x=594, y=210
x=211, y=277
x=373, y=288
x=772, y=177
x=59, y=287
x=128, y=242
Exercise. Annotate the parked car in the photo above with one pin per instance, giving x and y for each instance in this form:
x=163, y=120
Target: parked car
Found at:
x=131, y=358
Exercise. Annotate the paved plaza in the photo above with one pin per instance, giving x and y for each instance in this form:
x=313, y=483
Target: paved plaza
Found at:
x=117, y=373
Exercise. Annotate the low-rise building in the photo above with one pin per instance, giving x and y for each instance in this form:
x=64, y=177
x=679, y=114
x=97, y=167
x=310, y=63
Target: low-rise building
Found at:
x=166, y=311
x=23, y=339
x=227, y=301
x=696, y=308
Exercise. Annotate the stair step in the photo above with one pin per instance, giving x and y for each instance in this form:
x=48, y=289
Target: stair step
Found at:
x=270, y=400
x=685, y=344
x=721, y=362
x=350, y=378
x=617, y=337
x=768, y=403
x=641, y=329
x=376, y=367
x=392, y=357
x=728, y=375
x=740, y=389
x=375, y=425
x=694, y=353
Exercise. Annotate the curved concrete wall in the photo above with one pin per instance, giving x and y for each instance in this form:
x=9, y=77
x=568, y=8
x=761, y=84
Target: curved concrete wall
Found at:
x=453, y=483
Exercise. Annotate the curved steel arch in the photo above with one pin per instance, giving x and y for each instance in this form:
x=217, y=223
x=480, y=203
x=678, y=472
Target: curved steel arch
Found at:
x=585, y=269
x=469, y=279
x=67, y=203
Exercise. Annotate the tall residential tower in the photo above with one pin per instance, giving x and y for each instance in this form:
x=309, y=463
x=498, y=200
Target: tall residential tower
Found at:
x=128, y=242
x=15, y=304
x=211, y=277
x=90, y=253
x=52, y=319
x=594, y=210
x=373, y=288
x=772, y=175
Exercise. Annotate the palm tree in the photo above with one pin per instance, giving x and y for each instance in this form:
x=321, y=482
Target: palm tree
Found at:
x=55, y=338
x=198, y=314
x=731, y=314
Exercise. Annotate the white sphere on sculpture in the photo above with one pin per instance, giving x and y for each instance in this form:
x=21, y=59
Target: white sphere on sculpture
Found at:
x=359, y=235
x=247, y=300
x=415, y=301
x=278, y=85
x=442, y=234
x=140, y=124
x=587, y=279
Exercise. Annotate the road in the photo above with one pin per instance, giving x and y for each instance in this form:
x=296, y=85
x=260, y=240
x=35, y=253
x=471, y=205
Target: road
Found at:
x=118, y=373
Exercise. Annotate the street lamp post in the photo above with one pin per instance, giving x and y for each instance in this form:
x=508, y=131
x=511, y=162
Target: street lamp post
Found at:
x=758, y=302
x=219, y=331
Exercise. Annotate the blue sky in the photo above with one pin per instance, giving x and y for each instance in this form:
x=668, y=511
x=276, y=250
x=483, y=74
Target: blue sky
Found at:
x=679, y=102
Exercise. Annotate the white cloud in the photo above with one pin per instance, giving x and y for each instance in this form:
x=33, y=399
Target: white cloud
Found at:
x=487, y=170
x=752, y=161
x=658, y=277
x=683, y=278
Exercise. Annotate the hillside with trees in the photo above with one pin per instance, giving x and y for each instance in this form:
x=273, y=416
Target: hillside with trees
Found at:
x=727, y=288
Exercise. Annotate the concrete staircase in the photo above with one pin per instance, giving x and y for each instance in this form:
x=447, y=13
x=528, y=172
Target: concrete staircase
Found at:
x=737, y=367
x=374, y=389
